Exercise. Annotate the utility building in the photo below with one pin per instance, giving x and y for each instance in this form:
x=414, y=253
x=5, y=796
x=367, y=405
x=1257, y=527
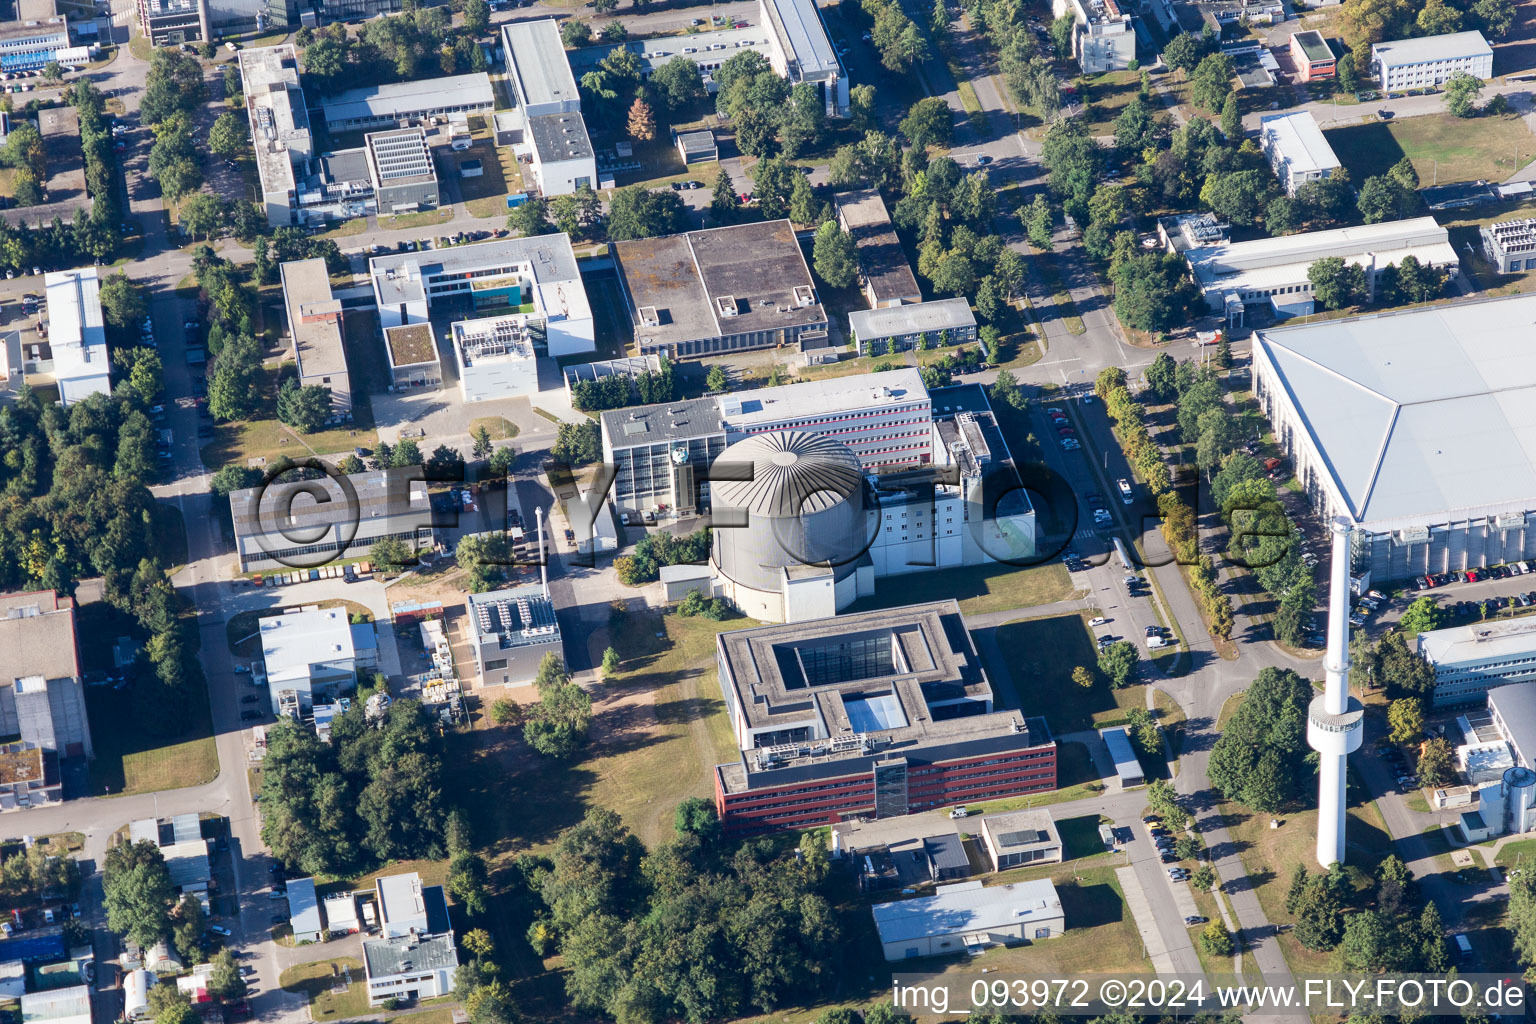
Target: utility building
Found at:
x=315, y=322
x=404, y=176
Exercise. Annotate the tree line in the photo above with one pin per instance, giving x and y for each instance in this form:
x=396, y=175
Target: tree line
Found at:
x=420, y=42
x=621, y=389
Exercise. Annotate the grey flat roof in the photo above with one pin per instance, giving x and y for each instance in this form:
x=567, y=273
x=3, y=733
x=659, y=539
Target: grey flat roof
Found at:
x=946, y=851
x=687, y=276
x=343, y=165
x=37, y=636
x=1313, y=45
x=1516, y=705
x=385, y=492
x=402, y=99
x=967, y=907
x=388, y=957
x=1021, y=830
x=666, y=421
x=560, y=136
x=1427, y=48
x=307, y=292
x=536, y=58
x=397, y=276
x=891, y=321
x=303, y=908
x=1478, y=641
x=1422, y=412
x=1127, y=765
x=697, y=142
x=881, y=257
x=804, y=38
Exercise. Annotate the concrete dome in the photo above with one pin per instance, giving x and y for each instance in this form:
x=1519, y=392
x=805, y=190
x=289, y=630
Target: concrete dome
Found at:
x=794, y=473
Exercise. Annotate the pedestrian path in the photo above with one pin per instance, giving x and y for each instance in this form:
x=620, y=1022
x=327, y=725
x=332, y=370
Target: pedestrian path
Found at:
x=1146, y=924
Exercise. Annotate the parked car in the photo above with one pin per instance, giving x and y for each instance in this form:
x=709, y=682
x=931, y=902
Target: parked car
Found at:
x=1195, y=919
x=249, y=716
x=219, y=929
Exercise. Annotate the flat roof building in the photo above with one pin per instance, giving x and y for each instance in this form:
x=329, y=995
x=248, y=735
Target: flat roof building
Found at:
x=883, y=268
x=403, y=174
x=1403, y=64
x=31, y=44
x=57, y=1006
x=315, y=322
x=897, y=328
x=534, y=277
x=495, y=358
x=1102, y=36
x=969, y=916
x=1470, y=660
x=1273, y=271
x=341, y=914
x=169, y=22
x=1412, y=425
x=708, y=49
x=875, y=713
x=1313, y=56
x=1127, y=764
x=698, y=147
x=313, y=532
x=413, y=358
x=279, y=120
x=801, y=50
x=726, y=289
x=76, y=337
x=42, y=697
x=403, y=104
x=546, y=129
x=1510, y=245
x=1014, y=839
x=304, y=910
x=312, y=654
x=513, y=629
x=1296, y=149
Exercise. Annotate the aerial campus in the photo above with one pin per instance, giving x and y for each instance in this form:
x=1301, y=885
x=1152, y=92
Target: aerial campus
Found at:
x=534, y=510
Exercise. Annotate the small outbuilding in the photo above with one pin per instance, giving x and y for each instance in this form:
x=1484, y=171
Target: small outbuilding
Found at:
x=969, y=916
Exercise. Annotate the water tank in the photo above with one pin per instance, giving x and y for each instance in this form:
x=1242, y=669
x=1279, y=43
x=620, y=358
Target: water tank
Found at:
x=1519, y=791
x=804, y=506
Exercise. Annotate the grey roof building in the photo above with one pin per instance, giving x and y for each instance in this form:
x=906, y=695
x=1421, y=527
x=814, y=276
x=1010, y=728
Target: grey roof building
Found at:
x=416, y=958
x=883, y=268
x=1016, y=838
x=546, y=129
x=403, y=174
x=698, y=147
x=309, y=523
x=1412, y=425
x=1472, y=659
x=304, y=910
x=727, y=289
x=42, y=697
x=315, y=322
x=968, y=915
x=279, y=119
x=897, y=328
x=1510, y=245
x=1401, y=64
x=408, y=103
x=513, y=630
x=802, y=51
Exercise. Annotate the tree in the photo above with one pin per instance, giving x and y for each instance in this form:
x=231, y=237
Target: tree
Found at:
x=1082, y=677
x=531, y=217
x=1520, y=916
x=1496, y=16
x=1461, y=94
x=1383, y=197
x=610, y=662
x=187, y=929
x=122, y=303
x=1117, y=662
x=724, y=202
x=679, y=83
x=1346, y=74
x=228, y=136
x=929, y=122
x=1422, y=616
x=1062, y=30
x=1257, y=759
x=305, y=409
x=696, y=816
x=506, y=712
x=642, y=123
x=1183, y=52
x=1231, y=120
x=1335, y=284
x=1319, y=921
x=834, y=255
x=637, y=212
x=137, y=893
x=467, y=880
x=1239, y=197
x=1406, y=719
x=1161, y=378
x=224, y=981
x=1216, y=940
x=202, y=215
x=1437, y=18
x=1437, y=764
x=557, y=726
x=716, y=381
x=578, y=443
x=1204, y=878
x=1212, y=81
x=575, y=34
x=1152, y=292
x=481, y=439
x=1038, y=222
x=1005, y=392
x=391, y=555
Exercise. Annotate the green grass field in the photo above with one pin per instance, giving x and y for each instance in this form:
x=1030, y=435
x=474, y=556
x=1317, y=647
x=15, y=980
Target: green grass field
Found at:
x=1041, y=654
x=1443, y=148
x=981, y=588
x=319, y=982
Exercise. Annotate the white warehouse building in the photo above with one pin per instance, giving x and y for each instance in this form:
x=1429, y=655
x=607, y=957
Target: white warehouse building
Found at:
x=547, y=130
x=77, y=339
x=1416, y=426
x=1296, y=149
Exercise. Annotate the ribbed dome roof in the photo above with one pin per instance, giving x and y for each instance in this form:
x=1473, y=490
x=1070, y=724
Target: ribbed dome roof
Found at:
x=793, y=473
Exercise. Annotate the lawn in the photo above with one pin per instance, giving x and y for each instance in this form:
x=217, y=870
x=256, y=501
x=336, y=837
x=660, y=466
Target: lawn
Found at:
x=419, y=219
x=499, y=427
x=129, y=760
x=979, y=588
x=266, y=437
x=1108, y=95
x=1040, y=655
x=1270, y=855
x=659, y=729
x=1516, y=853
x=346, y=229
x=1443, y=148
x=485, y=196
x=319, y=982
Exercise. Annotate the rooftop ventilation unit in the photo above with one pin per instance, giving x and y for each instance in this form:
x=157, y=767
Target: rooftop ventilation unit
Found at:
x=726, y=304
